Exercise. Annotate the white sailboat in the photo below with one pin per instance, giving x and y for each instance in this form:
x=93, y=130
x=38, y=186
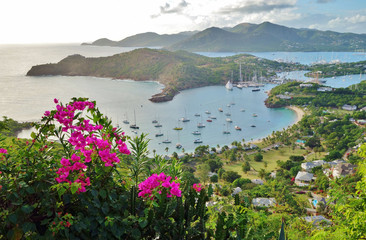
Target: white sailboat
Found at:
x=229, y=84
x=134, y=126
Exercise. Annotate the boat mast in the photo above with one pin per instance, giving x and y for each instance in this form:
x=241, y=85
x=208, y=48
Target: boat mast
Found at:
x=240, y=76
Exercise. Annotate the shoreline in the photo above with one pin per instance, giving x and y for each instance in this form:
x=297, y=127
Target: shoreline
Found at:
x=299, y=113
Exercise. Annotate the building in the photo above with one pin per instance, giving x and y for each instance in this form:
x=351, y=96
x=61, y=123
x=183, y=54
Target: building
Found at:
x=307, y=166
x=317, y=220
x=303, y=178
x=306, y=85
x=349, y=107
x=263, y=202
x=344, y=169
x=325, y=89
x=236, y=191
x=257, y=181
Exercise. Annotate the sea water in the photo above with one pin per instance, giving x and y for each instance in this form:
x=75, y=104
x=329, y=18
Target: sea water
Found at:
x=26, y=98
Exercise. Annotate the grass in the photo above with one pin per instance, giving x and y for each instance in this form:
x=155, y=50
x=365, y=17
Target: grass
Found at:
x=271, y=157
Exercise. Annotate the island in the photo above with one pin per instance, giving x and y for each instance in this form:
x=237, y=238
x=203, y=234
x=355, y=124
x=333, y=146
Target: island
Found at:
x=177, y=71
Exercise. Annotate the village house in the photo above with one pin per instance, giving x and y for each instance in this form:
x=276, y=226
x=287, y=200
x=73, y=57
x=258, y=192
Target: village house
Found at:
x=306, y=85
x=317, y=220
x=307, y=166
x=325, y=89
x=257, y=181
x=349, y=107
x=303, y=178
x=263, y=202
x=343, y=169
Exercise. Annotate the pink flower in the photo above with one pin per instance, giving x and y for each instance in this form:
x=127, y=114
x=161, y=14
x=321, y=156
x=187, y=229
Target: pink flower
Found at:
x=198, y=187
x=3, y=150
x=156, y=183
x=47, y=113
x=55, y=100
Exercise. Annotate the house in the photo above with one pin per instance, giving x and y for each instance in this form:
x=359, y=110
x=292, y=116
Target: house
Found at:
x=236, y=191
x=344, y=169
x=349, y=107
x=257, y=181
x=307, y=166
x=232, y=147
x=263, y=202
x=361, y=121
x=306, y=85
x=303, y=178
x=317, y=200
x=273, y=174
x=281, y=96
x=325, y=89
x=317, y=220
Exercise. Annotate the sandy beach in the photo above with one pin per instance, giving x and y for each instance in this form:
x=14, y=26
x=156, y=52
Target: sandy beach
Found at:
x=299, y=113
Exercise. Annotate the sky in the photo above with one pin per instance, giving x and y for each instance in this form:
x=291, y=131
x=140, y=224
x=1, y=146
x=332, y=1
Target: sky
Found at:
x=76, y=21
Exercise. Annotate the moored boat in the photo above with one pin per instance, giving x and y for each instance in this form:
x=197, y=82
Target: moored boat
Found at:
x=237, y=128
x=229, y=120
x=196, y=133
x=197, y=141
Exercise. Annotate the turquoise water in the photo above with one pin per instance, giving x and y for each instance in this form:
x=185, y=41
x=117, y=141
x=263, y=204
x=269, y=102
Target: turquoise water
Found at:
x=26, y=98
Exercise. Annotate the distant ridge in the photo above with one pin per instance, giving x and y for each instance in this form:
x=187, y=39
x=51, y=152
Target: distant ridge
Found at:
x=148, y=39
x=247, y=37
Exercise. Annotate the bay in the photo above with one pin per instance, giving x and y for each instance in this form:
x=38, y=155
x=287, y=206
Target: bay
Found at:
x=26, y=98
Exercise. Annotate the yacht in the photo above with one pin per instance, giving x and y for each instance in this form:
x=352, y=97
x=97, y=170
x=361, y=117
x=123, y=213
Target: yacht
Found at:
x=166, y=141
x=159, y=134
x=126, y=122
x=212, y=117
x=255, y=115
x=158, y=125
x=183, y=119
x=177, y=128
x=178, y=145
x=198, y=141
x=253, y=126
x=197, y=115
x=229, y=120
x=134, y=126
x=228, y=114
x=200, y=125
x=154, y=121
x=196, y=133
x=208, y=112
x=229, y=86
x=226, y=132
x=237, y=128
x=255, y=89
x=220, y=110
x=209, y=120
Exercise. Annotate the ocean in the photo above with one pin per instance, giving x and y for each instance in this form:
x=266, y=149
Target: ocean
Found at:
x=26, y=98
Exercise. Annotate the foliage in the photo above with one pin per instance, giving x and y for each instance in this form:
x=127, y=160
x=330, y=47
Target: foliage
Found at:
x=258, y=157
x=230, y=176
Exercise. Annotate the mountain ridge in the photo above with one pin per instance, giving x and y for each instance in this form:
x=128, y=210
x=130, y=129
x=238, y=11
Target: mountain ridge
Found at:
x=246, y=37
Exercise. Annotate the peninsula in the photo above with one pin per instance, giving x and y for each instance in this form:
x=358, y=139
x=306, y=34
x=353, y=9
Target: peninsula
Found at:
x=176, y=70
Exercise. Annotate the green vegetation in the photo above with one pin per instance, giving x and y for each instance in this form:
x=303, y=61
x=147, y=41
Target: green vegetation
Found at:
x=176, y=70
x=337, y=69
x=310, y=96
x=10, y=127
x=246, y=37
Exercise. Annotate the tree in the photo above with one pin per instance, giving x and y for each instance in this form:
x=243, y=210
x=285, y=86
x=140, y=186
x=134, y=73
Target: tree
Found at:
x=214, y=178
x=202, y=172
x=214, y=164
x=230, y=176
x=313, y=142
x=201, y=150
x=262, y=173
x=258, y=157
x=246, y=167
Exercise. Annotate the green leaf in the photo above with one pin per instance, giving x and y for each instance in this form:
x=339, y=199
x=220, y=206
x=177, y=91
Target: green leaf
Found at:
x=143, y=223
x=61, y=191
x=105, y=208
x=26, y=227
x=74, y=188
x=103, y=193
x=13, y=218
x=27, y=209
x=33, y=135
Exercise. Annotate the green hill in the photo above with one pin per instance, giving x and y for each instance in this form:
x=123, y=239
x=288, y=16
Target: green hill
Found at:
x=176, y=70
x=247, y=37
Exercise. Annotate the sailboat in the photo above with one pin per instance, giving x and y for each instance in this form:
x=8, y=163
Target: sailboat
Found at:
x=240, y=85
x=167, y=140
x=185, y=119
x=134, y=126
x=126, y=121
x=227, y=130
x=229, y=84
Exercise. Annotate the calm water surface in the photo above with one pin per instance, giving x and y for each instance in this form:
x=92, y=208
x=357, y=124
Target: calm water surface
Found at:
x=26, y=98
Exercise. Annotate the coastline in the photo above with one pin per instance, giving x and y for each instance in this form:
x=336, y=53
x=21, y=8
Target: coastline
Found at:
x=299, y=115
x=298, y=111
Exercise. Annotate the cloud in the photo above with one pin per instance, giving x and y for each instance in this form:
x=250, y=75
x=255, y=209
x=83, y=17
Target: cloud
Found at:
x=254, y=7
x=168, y=9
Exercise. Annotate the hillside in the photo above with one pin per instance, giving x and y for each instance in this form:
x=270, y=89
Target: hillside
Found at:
x=148, y=39
x=176, y=70
x=246, y=37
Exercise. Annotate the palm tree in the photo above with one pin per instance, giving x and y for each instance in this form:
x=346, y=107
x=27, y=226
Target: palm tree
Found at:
x=262, y=173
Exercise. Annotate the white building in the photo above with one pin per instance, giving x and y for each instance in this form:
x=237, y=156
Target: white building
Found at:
x=263, y=202
x=349, y=107
x=303, y=178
